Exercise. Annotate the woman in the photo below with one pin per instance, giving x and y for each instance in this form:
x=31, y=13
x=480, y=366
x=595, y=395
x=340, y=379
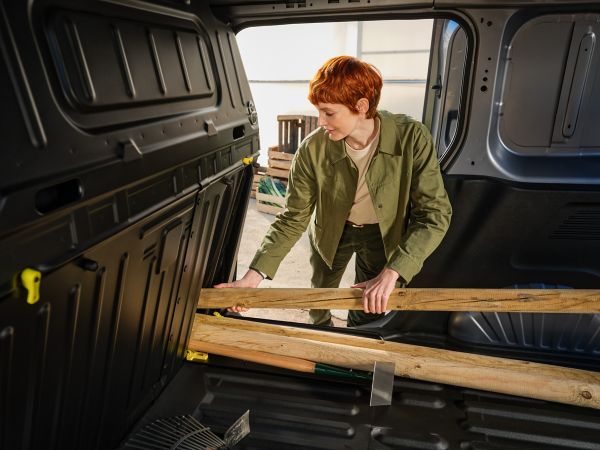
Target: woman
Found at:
x=365, y=182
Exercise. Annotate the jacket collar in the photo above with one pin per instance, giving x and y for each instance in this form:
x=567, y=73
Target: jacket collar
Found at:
x=388, y=140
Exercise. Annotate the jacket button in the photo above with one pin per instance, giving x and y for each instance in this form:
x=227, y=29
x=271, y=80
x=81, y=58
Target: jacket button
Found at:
x=379, y=206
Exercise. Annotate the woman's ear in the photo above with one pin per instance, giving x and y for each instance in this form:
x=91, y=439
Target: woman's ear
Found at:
x=362, y=105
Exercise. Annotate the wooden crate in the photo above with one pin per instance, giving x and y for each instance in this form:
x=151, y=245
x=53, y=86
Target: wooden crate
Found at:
x=258, y=174
x=279, y=173
x=293, y=129
x=279, y=163
x=269, y=209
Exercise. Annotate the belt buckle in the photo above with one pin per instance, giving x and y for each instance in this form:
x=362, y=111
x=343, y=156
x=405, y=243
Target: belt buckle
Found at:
x=355, y=225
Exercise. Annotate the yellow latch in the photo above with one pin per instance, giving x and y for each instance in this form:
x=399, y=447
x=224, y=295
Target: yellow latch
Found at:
x=194, y=356
x=247, y=161
x=31, y=280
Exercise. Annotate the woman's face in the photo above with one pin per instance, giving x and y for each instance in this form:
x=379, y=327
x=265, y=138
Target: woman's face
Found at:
x=337, y=119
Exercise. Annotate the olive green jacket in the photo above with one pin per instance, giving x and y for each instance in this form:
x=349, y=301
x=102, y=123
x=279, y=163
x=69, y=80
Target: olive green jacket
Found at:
x=405, y=184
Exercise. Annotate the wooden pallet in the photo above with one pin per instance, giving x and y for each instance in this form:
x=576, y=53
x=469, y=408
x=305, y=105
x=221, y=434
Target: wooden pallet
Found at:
x=262, y=199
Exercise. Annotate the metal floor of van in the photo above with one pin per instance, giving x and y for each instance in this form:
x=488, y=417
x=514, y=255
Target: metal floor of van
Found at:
x=298, y=411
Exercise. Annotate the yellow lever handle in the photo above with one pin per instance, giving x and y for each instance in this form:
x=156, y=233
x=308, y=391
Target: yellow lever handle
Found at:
x=31, y=280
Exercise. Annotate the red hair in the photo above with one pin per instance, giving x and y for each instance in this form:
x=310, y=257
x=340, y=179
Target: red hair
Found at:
x=345, y=80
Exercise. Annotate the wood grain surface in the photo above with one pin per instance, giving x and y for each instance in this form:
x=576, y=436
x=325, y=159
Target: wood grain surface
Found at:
x=507, y=376
x=411, y=299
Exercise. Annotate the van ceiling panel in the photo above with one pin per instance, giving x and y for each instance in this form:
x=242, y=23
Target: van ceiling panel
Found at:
x=317, y=3
x=241, y=14
x=504, y=3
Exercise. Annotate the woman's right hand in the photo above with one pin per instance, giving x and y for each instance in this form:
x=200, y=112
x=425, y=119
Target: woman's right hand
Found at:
x=251, y=279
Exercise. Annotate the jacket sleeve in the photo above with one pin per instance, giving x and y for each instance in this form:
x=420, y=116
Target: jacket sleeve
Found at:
x=293, y=221
x=430, y=210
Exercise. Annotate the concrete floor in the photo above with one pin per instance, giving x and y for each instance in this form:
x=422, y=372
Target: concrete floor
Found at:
x=294, y=271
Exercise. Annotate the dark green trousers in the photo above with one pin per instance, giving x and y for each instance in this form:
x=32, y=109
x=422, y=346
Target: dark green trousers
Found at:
x=367, y=243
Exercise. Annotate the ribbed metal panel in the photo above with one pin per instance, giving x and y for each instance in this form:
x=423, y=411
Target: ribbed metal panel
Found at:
x=7, y=343
x=80, y=366
x=579, y=333
x=583, y=224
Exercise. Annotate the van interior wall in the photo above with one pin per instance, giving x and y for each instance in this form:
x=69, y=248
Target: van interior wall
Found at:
x=122, y=182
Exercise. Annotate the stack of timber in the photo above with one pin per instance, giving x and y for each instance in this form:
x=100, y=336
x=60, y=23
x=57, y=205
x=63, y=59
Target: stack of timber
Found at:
x=268, y=343
x=287, y=347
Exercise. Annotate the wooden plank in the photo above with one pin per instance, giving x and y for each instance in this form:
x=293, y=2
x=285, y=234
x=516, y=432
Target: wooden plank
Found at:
x=280, y=155
x=286, y=136
x=412, y=299
x=261, y=196
x=506, y=376
x=280, y=135
x=277, y=172
x=292, y=117
x=269, y=209
x=277, y=164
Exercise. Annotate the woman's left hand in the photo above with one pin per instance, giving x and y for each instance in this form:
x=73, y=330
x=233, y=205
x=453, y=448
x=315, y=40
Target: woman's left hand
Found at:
x=377, y=290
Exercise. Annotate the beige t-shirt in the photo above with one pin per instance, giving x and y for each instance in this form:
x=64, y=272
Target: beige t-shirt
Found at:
x=362, y=211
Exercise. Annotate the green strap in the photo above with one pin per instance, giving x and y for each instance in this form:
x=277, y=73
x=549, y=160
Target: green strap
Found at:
x=324, y=369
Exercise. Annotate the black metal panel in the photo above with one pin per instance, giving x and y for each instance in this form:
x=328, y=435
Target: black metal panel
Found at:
x=504, y=234
x=127, y=88
x=80, y=366
x=111, y=184
x=297, y=412
x=115, y=63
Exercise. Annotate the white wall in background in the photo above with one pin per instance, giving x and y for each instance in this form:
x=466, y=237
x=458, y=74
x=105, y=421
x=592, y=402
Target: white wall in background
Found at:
x=280, y=60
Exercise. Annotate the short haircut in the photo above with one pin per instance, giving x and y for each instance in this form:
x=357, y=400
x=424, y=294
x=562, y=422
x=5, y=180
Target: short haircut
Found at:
x=345, y=80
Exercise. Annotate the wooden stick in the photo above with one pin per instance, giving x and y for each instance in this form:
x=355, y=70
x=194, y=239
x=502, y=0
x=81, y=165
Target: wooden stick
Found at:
x=283, y=362
x=513, y=377
x=411, y=299
x=269, y=359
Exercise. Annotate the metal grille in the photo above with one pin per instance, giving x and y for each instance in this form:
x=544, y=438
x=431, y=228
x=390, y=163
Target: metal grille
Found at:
x=181, y=433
